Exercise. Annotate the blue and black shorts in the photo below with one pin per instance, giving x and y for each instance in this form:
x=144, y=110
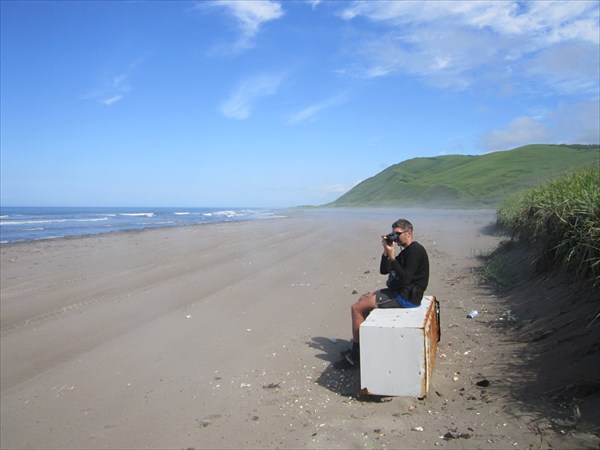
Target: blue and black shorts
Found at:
x=388, y=298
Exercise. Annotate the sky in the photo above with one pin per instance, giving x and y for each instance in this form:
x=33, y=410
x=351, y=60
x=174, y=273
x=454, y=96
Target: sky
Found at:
x=277, y=103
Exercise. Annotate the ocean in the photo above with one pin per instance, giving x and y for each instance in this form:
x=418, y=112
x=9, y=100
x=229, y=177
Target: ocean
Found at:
x=21, y=224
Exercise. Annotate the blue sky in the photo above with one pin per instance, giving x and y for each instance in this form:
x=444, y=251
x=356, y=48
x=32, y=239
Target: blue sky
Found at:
x=277, y=103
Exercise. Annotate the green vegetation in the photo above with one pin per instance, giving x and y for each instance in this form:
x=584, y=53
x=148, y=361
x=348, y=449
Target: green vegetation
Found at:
x=468, y=181
x=494, y=271
x=561, y=220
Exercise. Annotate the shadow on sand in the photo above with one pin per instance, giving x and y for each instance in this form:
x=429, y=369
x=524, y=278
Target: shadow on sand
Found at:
x=344, y=382
x=552, y=365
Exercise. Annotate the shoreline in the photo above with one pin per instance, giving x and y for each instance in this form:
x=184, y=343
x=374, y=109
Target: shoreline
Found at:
x=224, y=337
x=118, y=232
x=22, y=224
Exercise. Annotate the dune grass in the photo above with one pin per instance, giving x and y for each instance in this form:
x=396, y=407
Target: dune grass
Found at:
x=494, y=272
x=561, y=220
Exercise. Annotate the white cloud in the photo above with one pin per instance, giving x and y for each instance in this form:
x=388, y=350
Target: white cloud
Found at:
x=240, y=103
x=451, y=43
x=521, y=131
x=551, y=21
x=251, y=15
x=577, y=123
x=567, y=123
x=310, y=112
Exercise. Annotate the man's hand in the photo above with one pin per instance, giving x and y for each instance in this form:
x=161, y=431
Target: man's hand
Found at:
x=387, y=248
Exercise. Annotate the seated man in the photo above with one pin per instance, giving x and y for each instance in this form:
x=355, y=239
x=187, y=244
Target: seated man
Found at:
x=408, y=276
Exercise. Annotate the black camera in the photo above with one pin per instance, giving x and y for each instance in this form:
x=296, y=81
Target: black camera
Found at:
x=391, y=238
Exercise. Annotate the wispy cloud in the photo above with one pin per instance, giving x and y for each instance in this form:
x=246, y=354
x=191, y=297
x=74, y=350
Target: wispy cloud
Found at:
x=111, y=100
x=335, y=188
x=251, y=15
x=545, y=22
x=331, y=192
x=314, y=3
x=455, y=43
x=570, y=67
x=111, y=89
x=310, y=112
x=243, y=98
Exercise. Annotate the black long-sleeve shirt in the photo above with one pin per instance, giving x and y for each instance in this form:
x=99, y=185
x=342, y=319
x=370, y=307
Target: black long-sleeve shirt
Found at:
x=408, y=273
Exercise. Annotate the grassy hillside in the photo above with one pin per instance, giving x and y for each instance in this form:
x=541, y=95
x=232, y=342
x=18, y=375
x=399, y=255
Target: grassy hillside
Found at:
x=468, y=181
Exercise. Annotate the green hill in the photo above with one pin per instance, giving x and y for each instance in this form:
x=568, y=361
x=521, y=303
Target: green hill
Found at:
x=468, y=181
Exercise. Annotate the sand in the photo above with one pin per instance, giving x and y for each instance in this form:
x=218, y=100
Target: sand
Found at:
x=223, y=336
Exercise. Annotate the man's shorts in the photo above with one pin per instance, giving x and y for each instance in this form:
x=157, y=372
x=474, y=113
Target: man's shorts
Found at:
x=387, y=298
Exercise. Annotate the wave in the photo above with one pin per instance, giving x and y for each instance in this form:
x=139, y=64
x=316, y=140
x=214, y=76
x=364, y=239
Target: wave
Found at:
x=221, y=213
x=28, y=222
x=31, y=224
x=138, y=214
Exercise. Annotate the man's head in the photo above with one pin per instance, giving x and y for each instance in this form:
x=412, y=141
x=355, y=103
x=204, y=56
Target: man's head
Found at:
x=404, y=229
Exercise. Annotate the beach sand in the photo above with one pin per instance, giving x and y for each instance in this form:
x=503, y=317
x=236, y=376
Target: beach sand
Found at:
x=223, y=336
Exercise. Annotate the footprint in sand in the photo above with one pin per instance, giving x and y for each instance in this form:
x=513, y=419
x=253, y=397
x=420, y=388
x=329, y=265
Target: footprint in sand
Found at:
x=208, y=420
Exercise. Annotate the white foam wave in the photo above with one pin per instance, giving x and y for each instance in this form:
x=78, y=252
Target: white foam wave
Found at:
x=26, y=222
x=221, y=213
x=138, y=214
x=182, y=213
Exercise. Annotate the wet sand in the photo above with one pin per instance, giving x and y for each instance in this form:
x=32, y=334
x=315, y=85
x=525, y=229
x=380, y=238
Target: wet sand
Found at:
x=223, y=336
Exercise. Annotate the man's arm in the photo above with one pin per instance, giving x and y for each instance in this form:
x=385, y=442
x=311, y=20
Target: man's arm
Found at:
x=387, y=258
x=406, y=272
x=386, y=264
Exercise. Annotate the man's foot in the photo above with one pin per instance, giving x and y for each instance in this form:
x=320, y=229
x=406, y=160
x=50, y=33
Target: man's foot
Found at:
x=348, y=351
x=353, y=348
x=350, y=360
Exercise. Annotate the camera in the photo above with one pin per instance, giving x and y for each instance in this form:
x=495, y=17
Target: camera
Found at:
x=391, y=238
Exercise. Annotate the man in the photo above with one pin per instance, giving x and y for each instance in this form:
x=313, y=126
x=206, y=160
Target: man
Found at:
x=408, y=276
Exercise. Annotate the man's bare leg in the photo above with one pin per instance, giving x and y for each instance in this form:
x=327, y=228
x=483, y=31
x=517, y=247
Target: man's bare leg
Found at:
x=360, y=310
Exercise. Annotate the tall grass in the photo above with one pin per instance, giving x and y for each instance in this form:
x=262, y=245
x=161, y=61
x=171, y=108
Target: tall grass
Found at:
x=561, y=219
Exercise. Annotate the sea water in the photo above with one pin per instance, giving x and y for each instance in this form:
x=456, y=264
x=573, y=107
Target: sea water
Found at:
x=19, y=224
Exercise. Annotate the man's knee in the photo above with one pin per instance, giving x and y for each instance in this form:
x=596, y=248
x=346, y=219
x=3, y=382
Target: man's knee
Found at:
x=370, y=299
x=366, y=296
x=365, y=304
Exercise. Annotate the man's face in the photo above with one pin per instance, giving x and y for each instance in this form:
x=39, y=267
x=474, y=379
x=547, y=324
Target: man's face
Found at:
x=403, y=235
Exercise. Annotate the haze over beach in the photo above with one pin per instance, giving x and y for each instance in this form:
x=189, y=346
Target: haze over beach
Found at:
x=166, y=281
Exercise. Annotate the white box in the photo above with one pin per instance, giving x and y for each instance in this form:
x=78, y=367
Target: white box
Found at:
x=398, y=348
